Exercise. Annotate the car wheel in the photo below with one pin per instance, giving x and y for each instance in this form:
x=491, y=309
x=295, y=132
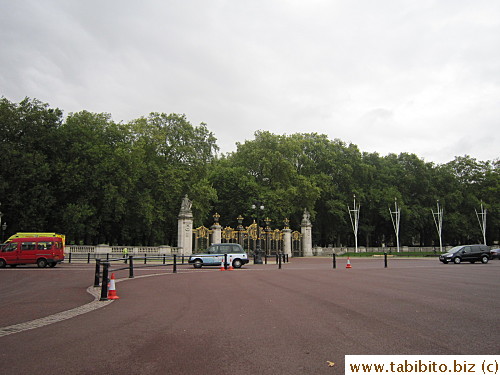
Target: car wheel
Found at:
x=457, y=260
x=197, y=263
x=41, y=263
x=237, y=263
x=484, y=259
x=2, y=263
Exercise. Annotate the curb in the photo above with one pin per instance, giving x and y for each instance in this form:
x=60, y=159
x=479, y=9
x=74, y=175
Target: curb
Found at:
x=59, y=317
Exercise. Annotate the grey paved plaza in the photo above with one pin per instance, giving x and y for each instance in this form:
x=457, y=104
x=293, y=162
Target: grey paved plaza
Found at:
x=257, y=320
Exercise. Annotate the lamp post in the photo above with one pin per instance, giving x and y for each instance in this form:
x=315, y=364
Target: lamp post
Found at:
x=267, y=231
x=240, y=229
x=258, y=254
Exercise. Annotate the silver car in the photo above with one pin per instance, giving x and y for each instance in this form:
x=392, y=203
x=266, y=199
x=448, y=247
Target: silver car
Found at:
x=215, y=254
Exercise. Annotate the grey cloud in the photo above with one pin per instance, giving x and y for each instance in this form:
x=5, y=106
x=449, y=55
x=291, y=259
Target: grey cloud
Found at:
x=384, y=75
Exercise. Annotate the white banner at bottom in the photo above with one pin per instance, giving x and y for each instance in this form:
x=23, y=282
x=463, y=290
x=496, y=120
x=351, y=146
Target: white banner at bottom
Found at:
x=422, y=364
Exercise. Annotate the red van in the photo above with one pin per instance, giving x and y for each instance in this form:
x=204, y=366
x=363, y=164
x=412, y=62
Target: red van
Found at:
x=42, y=251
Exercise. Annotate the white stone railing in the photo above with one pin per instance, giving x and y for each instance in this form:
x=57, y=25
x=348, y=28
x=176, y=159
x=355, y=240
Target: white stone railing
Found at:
x=118, y=250
x=168, y=250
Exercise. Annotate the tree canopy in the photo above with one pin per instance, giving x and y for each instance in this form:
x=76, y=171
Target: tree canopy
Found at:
x=99, y=181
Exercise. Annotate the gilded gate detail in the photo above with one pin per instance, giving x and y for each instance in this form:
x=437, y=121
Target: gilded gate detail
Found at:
x=201, y=238
x=271, y=240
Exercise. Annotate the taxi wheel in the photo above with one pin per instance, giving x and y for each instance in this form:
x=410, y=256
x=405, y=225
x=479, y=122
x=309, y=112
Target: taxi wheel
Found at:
x=197, y=263
x=41, y=263
x=237, y=263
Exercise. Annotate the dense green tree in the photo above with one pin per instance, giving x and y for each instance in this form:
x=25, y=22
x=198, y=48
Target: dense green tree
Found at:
x=269, y=160
x=122, y=183
x=27, y=133
x=175, y=156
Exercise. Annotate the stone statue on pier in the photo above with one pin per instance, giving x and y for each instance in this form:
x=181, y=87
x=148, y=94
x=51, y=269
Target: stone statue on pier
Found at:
x=185, y=227
x=186, y=205
x=306, y=229
x=306, y=217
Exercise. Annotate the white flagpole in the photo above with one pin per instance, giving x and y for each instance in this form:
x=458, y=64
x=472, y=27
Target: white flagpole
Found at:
x=482, y=221
x=354, y=215
x=396, y=219
x=438, y=220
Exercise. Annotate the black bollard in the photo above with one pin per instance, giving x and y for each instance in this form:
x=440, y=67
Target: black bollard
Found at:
x=385, y=260
x=175, y=263
x=130, y=266
x=334, y=260
x=104, y=283
x=97, y=272
x=225, y=262
x=279, y=260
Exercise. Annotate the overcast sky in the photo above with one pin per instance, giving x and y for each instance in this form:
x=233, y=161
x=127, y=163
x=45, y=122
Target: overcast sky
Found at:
x=417, y=76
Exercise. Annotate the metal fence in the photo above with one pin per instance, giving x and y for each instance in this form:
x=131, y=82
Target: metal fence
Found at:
x=328, y=251
x=131, y=263
x=71, y=257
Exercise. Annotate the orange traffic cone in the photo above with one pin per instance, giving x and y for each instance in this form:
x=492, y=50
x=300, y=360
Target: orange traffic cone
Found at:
x=222, y=266
x=112, y=288
x=230, y=268
x=348, y=265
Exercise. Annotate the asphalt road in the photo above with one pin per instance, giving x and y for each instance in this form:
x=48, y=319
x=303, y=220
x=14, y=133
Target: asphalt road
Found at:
x=257, y=320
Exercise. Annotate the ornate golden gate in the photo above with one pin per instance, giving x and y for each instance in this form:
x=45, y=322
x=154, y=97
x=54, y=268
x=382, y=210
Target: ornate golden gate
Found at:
x=271, y=240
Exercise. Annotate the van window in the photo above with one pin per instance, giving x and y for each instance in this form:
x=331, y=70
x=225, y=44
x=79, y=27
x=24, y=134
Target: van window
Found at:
x=28, y=246
x=9, y=247
x=45, y=245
